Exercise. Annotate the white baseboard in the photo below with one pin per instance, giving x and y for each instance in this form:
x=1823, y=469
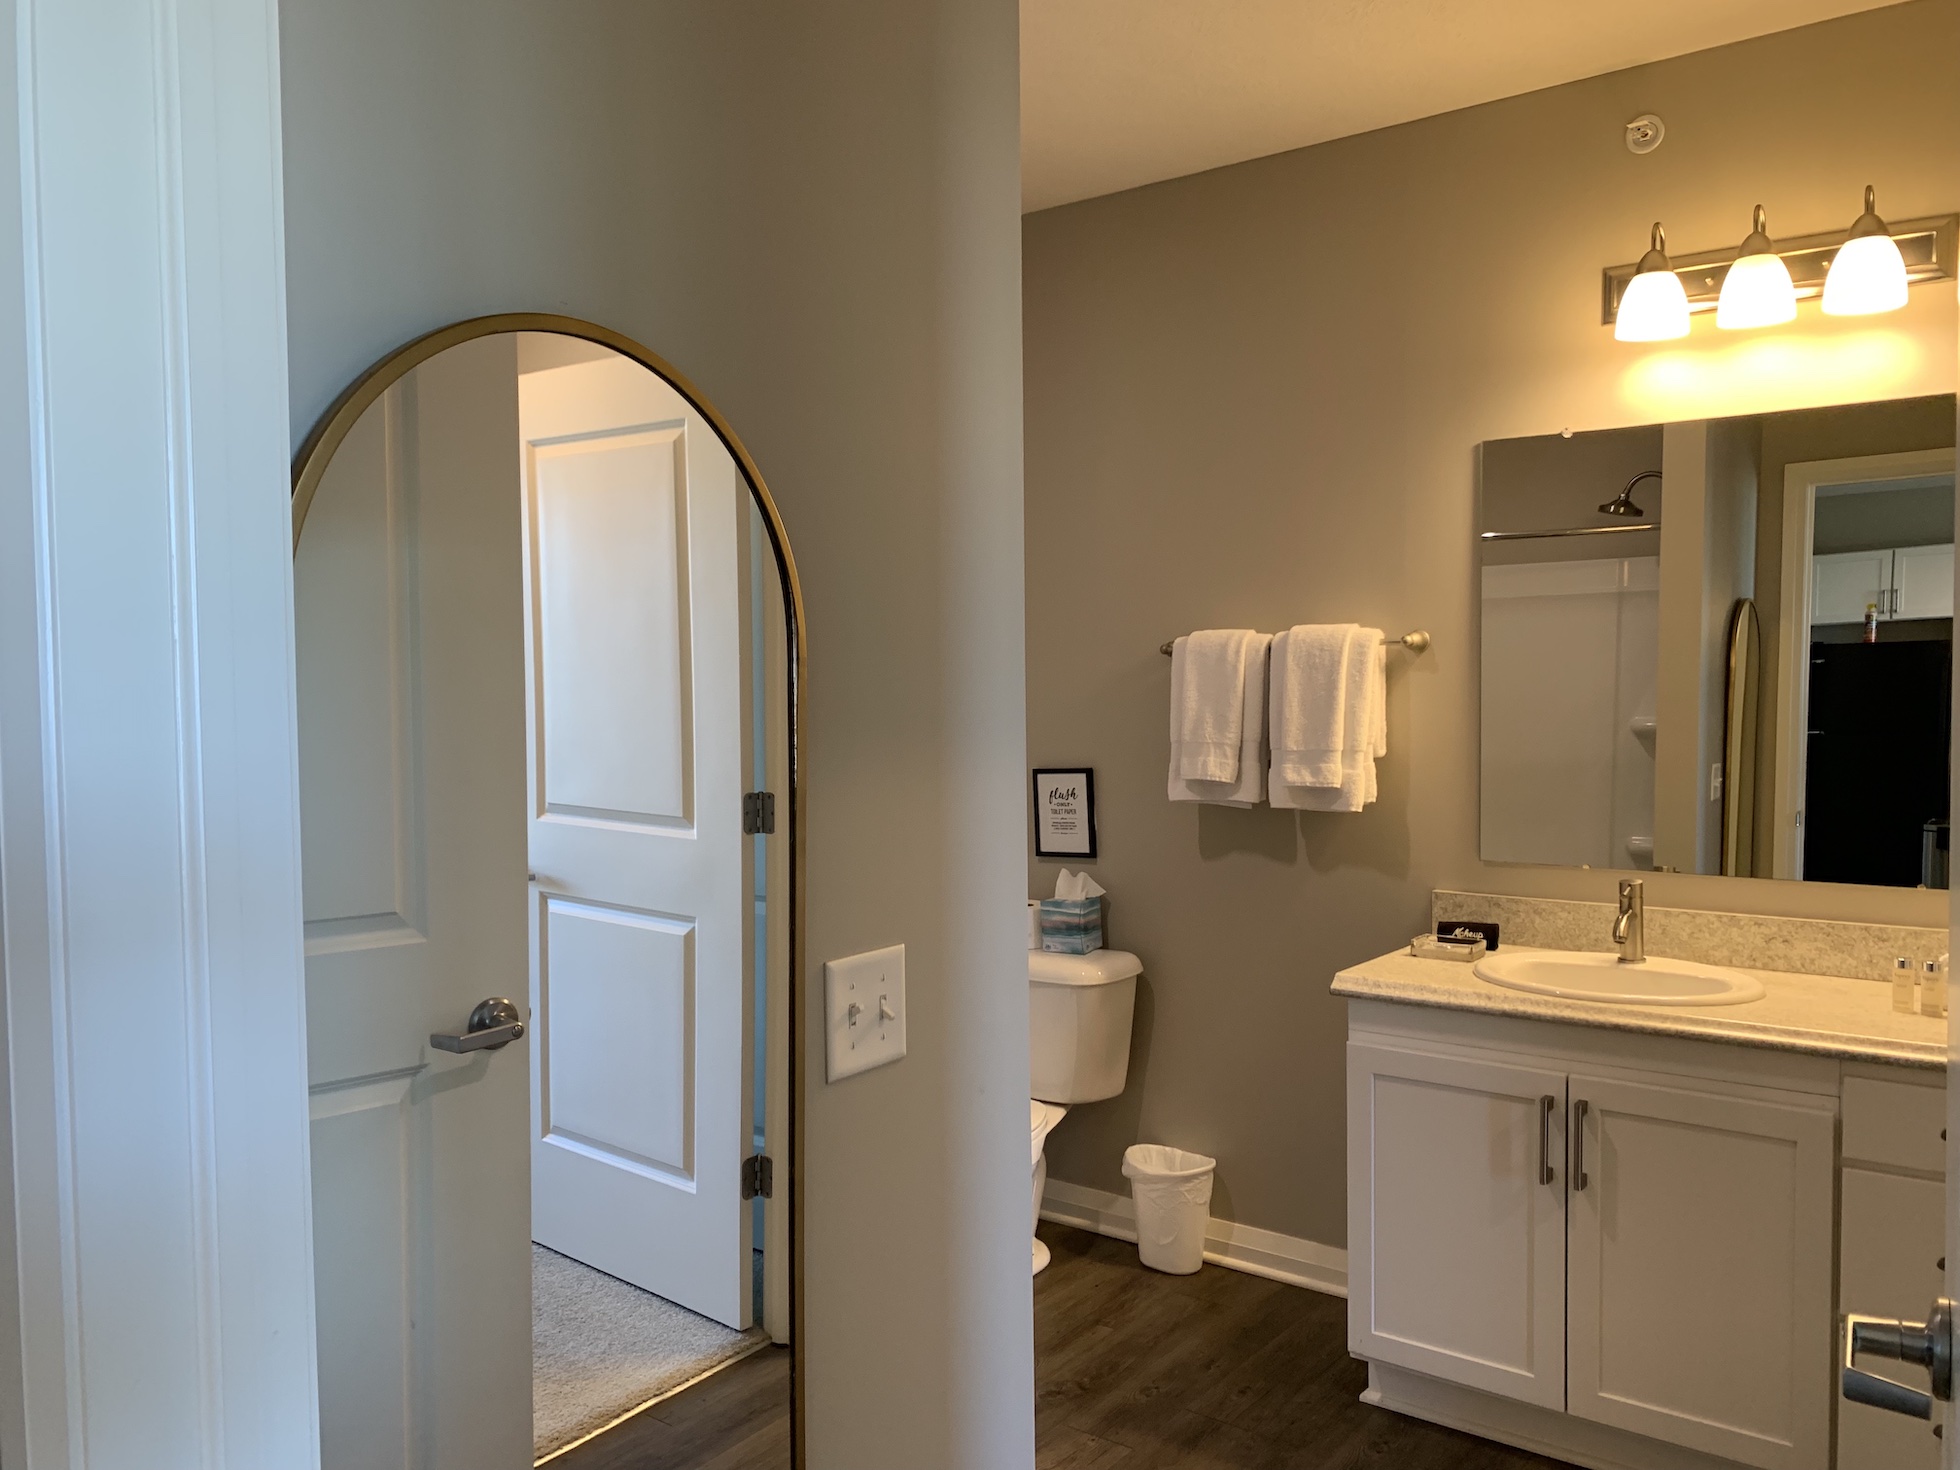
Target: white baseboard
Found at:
x=1241, y=1247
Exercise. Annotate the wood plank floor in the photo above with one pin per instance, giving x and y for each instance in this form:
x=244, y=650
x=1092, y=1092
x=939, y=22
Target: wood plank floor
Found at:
x=1133, y=1371
x=736, y=1420
x=1219, y=1371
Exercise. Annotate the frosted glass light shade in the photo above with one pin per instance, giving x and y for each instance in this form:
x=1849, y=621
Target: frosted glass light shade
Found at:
x=1654, y=308
x=1867, y=276
x=1757, y=293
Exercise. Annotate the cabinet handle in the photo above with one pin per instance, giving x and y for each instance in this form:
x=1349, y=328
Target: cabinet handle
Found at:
x=1545, y=1106
x=1579, y=1111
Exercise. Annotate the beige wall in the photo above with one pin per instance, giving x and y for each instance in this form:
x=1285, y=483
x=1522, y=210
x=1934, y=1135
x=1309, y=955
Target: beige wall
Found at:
x=1707, y=562
x=1728, y=575
x=1253, y=397
x=1679, y=694
x=812, y=209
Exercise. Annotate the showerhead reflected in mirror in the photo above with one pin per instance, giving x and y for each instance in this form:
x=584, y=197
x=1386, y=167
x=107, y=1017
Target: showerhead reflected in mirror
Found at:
x=1622, y=504
x=546, y=631
x=1722, y=646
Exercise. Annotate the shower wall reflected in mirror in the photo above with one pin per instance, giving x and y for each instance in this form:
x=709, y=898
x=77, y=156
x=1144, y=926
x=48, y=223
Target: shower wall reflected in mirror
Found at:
x=1722, y=646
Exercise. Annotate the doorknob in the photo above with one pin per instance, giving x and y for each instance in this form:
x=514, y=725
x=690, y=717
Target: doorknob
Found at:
x=1928, y=1343
x=493, y=1023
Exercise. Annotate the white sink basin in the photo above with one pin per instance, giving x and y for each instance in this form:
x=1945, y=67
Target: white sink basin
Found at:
x=1601, y=977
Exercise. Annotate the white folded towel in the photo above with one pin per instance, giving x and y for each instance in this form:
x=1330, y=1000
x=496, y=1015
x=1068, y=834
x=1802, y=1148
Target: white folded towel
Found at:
x=1250, y=787
x=1208, y=702
x=1309, y=703
x=1365, y=734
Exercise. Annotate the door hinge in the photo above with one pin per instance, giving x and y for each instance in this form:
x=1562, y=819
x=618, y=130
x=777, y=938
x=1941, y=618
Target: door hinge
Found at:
x=759, y=813
x=758, y=1177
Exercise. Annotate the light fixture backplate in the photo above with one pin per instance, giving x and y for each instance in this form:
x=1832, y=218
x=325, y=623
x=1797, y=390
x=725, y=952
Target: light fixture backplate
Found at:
x=1929, y=246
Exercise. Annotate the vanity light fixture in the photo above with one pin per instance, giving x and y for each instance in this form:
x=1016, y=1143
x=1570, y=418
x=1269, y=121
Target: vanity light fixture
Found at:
x=1927, y=247
x=1758, y=291
x=1655, y=306
x=1868, y=274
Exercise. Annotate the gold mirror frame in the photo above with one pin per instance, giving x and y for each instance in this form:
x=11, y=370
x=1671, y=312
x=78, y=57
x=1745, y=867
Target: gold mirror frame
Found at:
x=310, y=466
x=1741, y=711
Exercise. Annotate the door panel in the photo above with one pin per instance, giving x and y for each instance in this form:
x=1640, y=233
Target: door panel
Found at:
x=1456, y=1246
x=637, y=655
x=355, y=589
x=362, y=1243
x=1700, y=1272
x=616, y=994
x=613, y=651
x=409, y=637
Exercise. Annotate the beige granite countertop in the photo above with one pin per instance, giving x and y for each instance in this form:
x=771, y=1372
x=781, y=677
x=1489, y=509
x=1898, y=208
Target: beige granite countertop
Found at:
x=1824, y=1015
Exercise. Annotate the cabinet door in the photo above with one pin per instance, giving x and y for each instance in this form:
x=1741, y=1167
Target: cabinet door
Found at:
x=1922, y=582
x=1889, y=1243
x=1700, y=1271
x=1456, y=1244
x=1844, y=582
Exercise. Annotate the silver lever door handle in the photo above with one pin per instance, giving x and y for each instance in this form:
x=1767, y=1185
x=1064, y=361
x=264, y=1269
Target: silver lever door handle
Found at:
x=1928, y=1343
x=494, y=1023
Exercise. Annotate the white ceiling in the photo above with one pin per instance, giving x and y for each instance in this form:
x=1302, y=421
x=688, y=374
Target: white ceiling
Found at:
x=1116, y=93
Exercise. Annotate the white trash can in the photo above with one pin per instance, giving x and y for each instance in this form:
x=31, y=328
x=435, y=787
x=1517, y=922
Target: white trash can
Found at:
x=1172, y=1190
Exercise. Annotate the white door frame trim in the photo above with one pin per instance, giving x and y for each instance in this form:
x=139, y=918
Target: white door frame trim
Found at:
x=158, y=1200
x=1801, y=482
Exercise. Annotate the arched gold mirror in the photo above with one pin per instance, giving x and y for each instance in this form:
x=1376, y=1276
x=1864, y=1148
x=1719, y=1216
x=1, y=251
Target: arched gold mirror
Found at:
x=549, y=653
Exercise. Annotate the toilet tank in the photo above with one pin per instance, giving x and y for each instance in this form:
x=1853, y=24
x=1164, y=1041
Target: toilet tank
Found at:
x=1079, y=1012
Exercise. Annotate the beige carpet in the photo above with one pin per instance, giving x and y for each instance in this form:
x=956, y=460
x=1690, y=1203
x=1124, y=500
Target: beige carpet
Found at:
x=600, y=1348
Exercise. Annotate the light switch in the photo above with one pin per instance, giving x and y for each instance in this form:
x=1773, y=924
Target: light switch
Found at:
x=864, y=1006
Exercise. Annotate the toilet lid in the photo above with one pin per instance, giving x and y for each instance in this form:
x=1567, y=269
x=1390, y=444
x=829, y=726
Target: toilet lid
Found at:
x=1042, y=1118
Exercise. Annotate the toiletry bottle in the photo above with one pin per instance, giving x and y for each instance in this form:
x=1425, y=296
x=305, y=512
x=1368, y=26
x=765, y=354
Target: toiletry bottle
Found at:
x=1932, y=991
x=1905, y=986
x=1871, y=622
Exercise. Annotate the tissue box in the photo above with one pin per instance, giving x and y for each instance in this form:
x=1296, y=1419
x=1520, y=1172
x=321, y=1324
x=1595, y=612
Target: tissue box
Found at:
x=1071, y=925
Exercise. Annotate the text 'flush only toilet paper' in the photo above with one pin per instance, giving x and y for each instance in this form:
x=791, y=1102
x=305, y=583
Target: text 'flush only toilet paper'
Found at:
x=1071, y=921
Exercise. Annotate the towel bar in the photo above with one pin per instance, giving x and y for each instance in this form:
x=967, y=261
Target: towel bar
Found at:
x=1415, y=642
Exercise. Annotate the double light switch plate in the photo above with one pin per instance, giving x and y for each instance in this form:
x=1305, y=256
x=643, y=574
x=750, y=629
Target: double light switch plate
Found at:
x=864, y=1008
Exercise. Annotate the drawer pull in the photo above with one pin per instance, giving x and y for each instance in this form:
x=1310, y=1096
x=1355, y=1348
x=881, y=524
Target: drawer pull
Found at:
x=1545, y=1106
x=1579, y=1111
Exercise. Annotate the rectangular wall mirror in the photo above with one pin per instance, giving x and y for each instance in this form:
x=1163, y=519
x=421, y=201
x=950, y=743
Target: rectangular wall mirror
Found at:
x=1722, y=646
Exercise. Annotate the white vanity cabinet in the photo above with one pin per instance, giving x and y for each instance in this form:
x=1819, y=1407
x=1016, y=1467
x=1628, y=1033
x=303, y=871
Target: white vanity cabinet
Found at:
x=1595, y=1228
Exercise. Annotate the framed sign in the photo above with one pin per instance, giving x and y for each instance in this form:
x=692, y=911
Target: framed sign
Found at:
x=1065, y=813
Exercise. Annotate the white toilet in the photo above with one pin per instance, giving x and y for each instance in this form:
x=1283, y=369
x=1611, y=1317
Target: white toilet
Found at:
x=1079, y=1012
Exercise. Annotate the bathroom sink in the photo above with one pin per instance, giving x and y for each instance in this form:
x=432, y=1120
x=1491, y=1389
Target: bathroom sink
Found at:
x=1601, y=977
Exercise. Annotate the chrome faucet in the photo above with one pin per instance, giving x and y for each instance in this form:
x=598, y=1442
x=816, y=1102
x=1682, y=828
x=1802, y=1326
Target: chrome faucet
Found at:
x=1630, y=928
